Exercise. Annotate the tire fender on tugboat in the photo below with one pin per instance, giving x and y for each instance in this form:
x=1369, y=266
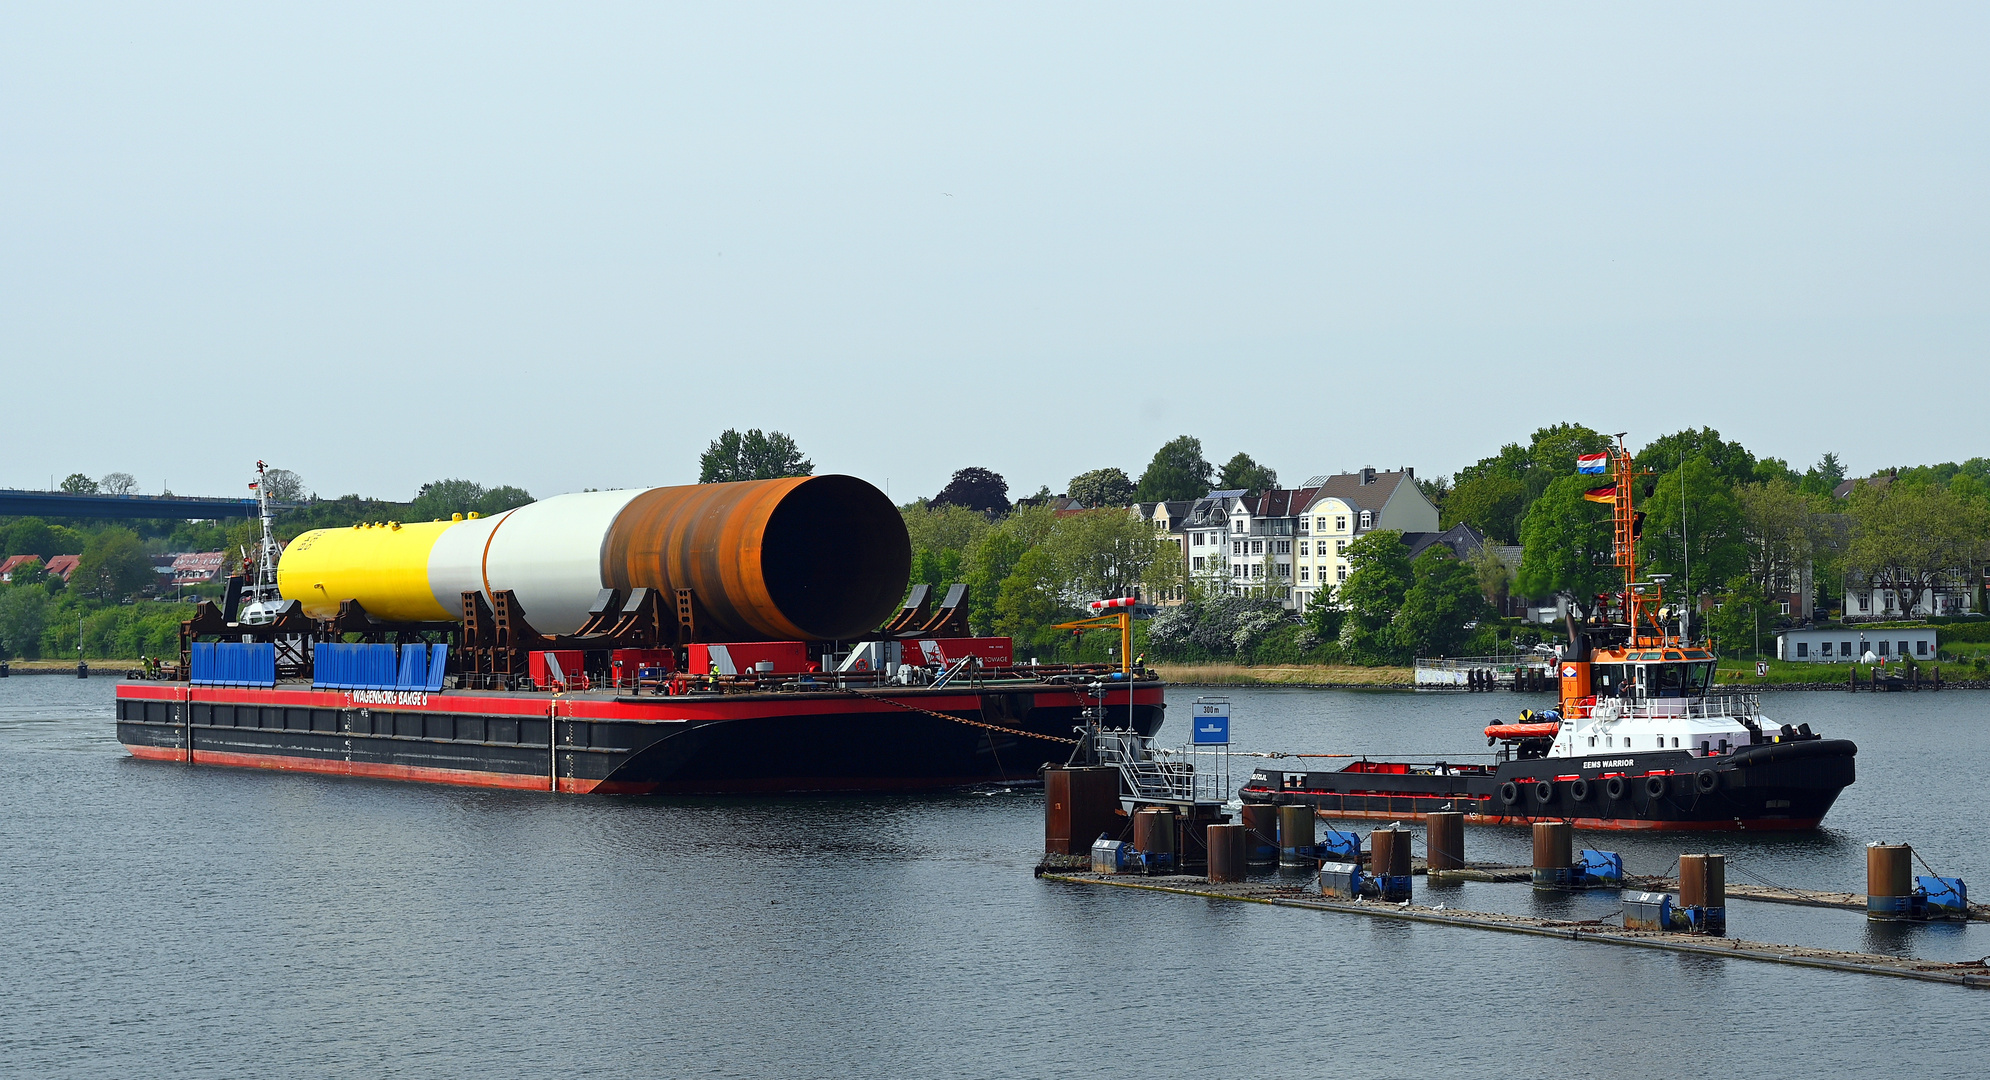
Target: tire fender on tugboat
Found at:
x=1707, y=781
x=1655, y=786
x=1509, y=793
x=1614, y=787
x=1579, y=790
x=1544, y=792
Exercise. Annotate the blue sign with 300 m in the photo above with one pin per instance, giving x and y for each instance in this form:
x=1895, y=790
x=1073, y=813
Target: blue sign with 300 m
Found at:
x=1212, y=723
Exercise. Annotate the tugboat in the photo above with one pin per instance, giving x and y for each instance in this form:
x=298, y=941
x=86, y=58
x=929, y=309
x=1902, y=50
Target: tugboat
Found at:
x=1642, y=738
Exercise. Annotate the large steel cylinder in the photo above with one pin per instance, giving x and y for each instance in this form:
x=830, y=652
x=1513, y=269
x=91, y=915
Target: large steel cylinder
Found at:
x=1296, y=838
x=1445, y=843
x=1703, y=891
x=1078, y=806
x=801, y=558
x=1889, y=881
x=1553, y=852
x=1260, y=821
x=1389, y=862
x=1154, y=837
x=1226, y=852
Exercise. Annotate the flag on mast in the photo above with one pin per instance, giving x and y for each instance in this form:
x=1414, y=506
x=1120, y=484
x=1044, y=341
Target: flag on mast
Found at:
x=1592, y=463
x=1604, y=494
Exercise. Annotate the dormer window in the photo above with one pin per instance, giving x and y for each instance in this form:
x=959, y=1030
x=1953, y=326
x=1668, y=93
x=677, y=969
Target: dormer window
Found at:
x=1368, y=519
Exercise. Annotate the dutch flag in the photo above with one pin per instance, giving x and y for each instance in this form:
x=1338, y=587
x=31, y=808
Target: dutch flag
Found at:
x=1592, y=463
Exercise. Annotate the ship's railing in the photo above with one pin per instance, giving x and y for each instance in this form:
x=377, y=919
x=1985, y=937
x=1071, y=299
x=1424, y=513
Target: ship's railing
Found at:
x=1711, y=707
x=1141, y=774
x=1466, y=663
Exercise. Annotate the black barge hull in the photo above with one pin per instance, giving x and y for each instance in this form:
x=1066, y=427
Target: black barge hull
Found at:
x=900, y=739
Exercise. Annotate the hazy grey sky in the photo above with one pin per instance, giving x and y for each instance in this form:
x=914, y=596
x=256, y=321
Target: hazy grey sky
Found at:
x=564, y=246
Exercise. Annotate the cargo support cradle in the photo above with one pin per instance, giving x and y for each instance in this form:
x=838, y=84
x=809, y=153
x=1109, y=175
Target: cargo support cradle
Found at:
x=1733, y=948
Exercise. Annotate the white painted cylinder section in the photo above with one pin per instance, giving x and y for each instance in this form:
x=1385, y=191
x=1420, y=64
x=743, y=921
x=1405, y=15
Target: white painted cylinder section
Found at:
x=548, y=553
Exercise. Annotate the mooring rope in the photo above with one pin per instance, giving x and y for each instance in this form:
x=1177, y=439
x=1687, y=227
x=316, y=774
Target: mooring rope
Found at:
x=963, y=719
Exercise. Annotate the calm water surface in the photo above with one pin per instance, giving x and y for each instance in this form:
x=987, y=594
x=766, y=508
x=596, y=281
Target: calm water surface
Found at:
x=174, y=921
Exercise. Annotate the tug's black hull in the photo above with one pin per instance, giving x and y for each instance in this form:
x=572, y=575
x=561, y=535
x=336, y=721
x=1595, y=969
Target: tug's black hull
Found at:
x=1776, y=787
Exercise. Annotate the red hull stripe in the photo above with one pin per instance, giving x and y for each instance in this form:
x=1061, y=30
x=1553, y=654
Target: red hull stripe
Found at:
x=530, y=782
x=375, y=770
x=1613, y=824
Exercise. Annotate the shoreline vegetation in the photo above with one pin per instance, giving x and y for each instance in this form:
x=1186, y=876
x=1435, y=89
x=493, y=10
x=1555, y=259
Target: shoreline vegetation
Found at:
x=1739, y=675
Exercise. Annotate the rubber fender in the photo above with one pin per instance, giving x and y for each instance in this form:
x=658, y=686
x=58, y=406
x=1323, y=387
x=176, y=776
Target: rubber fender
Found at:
x=1655, y=786
x=1614, y=787
x=1579, y=790
x=1509, y=793
x=1707, y=780
x=1544, y=792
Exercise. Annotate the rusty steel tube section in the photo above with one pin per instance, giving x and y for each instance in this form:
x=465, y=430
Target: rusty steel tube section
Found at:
x=809, y=558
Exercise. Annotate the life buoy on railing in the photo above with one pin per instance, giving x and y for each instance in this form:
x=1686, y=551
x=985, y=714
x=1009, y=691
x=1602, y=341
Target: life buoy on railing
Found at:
x=1614, y=787
x=1509, y=793
x=1655, y=786
x=1707, y=781
x=1544, y=792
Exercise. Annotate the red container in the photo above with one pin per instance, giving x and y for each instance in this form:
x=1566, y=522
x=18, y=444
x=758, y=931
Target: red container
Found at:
x=572, y=665
x=993, y=651
x=739, y=658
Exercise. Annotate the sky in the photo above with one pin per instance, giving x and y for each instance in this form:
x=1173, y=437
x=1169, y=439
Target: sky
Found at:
x=565, y=246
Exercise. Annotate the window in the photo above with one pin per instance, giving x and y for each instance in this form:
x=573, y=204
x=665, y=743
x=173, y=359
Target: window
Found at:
x=1342, y=576
x=1803, y=647
x=1305, y=573
x=1368, y=519
x=1824, y=648
x=1785, y=605
x=1903, y=649
x=1862, y=603
x=1661, y=742
x=1340, y=547
x=1285, y=547
x=1195, y=563
x=1285, y=569
x=1921, y=647
x=1257, y=570
x=1257, y=547
x=1592, y=740
x=1237, y=526
x=1236, y=547
x=1340, y=523
x=1320, y=524
x=1302, y=526
x=1675, y=742
x=1609, y=740
x=1882, y=648
x=1197, y=540
x=1302, y=547
x=1237, y=571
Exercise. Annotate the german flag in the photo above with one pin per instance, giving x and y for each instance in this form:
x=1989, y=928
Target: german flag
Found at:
x=1604, y=494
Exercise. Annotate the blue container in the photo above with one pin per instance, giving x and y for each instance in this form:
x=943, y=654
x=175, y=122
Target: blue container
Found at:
x=1600, y=869
x=1943, y=897
x=1340, y=846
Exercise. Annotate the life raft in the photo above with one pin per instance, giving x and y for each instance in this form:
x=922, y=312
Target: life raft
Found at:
x=1523, y=731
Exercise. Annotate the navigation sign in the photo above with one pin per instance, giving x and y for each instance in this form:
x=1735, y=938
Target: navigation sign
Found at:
x=1212, y=723
x=1761, y=667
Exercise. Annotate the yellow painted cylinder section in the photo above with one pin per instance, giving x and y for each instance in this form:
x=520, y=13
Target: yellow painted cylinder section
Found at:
x=384, y=566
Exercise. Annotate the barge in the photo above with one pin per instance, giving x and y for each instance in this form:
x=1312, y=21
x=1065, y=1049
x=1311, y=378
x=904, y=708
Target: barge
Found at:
x=720, y=638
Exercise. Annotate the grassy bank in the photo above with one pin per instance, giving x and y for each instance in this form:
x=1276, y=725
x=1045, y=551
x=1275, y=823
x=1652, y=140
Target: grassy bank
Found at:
x=1286, y=675
x=1741, y=673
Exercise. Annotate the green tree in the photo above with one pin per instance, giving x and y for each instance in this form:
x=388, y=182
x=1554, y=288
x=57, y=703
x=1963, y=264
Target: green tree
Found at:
x=977, y=489
x=78, y=484
x=118, y=483
x=1029, y=597
x=1566, y=546
x=444, y=498
x=1694, y=529
x=1241, y=473
x=1495, y=577
x=282, y=485
x=1101, y=488
x=1494, y=494
x=1824, y=477
x=1730, y=460
x=1100, y=554
x=1740, y=613
x=1378, y=577
x=1779, y=526
x=988, y=565
x=1912, y=539
x=31, y=536
x=756, y=455
x=1178, y=471
x=23, y=617
x=1443, y=598
x=114, y=566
